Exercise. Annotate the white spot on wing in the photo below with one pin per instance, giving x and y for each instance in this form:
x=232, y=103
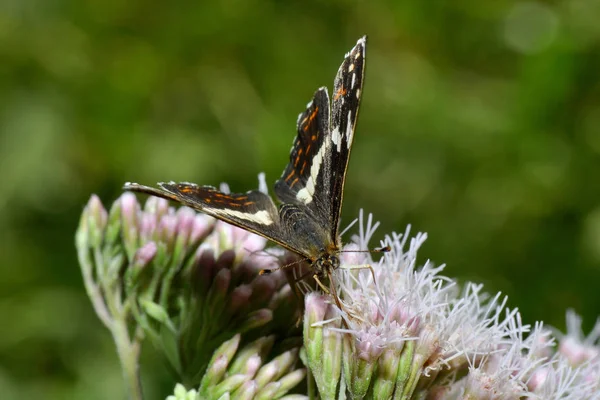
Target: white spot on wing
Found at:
x=358, y=93
x=351, y=68
x=349, y=130
x=262, y=183
x=336, y=138
x=353, y=80
x=305, y=194
x=223, y=187
x=260, y=217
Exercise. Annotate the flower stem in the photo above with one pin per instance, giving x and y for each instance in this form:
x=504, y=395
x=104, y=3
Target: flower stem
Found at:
x=310, y=383
x=129, y=352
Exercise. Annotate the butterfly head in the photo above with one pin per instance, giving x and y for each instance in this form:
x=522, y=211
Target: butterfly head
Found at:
x=325, y=264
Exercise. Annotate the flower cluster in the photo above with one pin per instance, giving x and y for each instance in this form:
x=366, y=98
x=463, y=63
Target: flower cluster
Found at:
x=183, y=280
x=238, y=374
x=409, y=333
x=191, y=285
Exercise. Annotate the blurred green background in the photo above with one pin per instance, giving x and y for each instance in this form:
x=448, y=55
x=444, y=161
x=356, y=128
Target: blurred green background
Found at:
x=480, y=124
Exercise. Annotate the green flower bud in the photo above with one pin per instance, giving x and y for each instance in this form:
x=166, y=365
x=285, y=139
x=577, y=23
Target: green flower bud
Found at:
x=97, y=219
x=219, y=363
x=290, y=381
x=113, y=229
x=323, y=345
x=130, y=210
x=181, y=393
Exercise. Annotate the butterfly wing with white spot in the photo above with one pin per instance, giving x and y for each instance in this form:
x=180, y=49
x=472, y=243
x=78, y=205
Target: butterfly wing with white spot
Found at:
x=253, y=211
x=314, y=177
x=344, y=112
x=302, y=181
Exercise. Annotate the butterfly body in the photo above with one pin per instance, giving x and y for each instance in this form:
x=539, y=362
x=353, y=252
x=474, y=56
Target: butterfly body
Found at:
x=310, y=189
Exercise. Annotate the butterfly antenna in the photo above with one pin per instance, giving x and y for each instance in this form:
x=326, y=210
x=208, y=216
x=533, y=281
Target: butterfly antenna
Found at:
x=268, y=271
x=262, y=252
x=384, y=249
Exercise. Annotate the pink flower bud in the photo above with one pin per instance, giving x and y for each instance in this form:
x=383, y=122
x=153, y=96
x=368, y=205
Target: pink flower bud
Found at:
x=129, y=210
x=200, y=228
x=238, y=298
x=94, y=221
x=97, y=212
x=166, y=229
x=147, y=227
x=144, y=255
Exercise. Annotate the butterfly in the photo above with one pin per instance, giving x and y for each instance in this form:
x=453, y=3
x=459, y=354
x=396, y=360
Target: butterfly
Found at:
x=311, y=188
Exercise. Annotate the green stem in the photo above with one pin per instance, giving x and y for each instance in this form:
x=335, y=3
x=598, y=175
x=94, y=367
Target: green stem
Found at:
x=92, y=289
x=129, y=353
x=128, y=349
x=310, y=384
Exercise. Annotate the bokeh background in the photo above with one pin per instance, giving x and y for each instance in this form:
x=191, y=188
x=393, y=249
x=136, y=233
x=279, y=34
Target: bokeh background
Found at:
x=480, y=124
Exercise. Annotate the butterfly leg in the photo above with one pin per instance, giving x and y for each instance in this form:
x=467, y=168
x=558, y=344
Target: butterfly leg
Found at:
x=323, y=287
x=336, y=298
x=332, y=292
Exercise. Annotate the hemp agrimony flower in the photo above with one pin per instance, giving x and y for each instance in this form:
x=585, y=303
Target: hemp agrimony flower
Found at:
x=408, y=332
x=191, y=285
x=182, y=280
x=243, y=374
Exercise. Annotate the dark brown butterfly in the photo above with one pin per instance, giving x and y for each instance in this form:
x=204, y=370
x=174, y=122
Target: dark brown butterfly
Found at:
x=311, y=188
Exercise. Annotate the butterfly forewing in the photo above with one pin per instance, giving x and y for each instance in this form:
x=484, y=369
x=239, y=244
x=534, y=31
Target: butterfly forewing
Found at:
x=315, y=176
x=344, y=112
x=253, y=211
x=302, y=181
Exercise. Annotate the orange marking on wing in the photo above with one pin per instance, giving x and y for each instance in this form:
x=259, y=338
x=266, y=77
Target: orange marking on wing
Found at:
x=303, y=166
x=341, y=92
x=293, y=182
x=228, y=201
x=298, y=156
x=308, y=148
x=287, y=178
x=186, y=189
x=248, y=203
x=310, y=119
